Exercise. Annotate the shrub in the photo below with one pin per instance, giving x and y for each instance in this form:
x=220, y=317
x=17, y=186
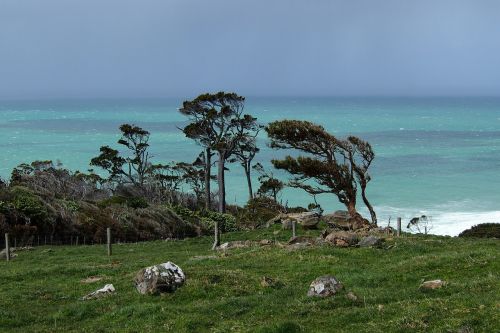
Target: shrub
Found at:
x=227, y=222
x=133, y=202
x=30, y=205
x=207, y=219
x=483, y=230
x=138, y=202
x=114, y=200
x=258, y=211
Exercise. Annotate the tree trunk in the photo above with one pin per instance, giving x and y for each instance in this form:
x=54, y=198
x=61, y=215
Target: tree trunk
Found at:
x=222, y=186
x=351, y=208
x=368, y=205
x=249, y=181
x=208, y=166
x=217, y=235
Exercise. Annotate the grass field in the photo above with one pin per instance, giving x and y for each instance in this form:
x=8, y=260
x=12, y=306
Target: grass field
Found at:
x=40, y=290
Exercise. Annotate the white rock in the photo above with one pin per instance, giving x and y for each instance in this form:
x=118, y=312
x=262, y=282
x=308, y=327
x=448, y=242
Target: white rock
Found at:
x=166, y=277
x=104, y=291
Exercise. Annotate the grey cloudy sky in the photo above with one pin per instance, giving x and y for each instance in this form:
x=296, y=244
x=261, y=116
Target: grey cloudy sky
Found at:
x=154, y=48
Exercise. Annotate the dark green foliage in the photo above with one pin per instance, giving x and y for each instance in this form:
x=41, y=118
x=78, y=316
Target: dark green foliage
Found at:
x=207, y=219
x=258, y=211
x=269, y=185
x=133, y=202
x=138, y=202
x=30, y=206
x=483, y=230
x=330, y=165
x=217, y=123
x=135, y=167
x=227, y=222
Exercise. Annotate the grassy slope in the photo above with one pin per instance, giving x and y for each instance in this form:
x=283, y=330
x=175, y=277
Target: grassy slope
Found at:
x=40, y=291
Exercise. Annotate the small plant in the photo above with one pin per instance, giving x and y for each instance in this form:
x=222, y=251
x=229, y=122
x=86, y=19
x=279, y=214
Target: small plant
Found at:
x=422, y=224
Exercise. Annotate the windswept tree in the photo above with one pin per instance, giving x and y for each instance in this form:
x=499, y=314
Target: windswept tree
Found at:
x=269, y=185
x=218, y=124
x=330, y=166
x=361, y=156
x=133, y=169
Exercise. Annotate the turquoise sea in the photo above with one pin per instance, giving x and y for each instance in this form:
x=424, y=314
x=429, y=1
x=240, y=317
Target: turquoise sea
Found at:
x=435, y=156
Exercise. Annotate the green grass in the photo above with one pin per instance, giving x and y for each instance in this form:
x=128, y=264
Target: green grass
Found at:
x=40, y=291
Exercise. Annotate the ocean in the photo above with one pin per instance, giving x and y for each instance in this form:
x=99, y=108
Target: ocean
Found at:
x=438, y=157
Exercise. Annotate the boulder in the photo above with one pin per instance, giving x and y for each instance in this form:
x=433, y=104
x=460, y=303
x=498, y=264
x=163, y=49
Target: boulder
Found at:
x=302, y=239
x=104, y=291
x=352, y=296
x=342, y=238
x=234, y=245
x=265, y=242
x=324, y=286
x=166, y=277
x=336, y=217
x=343, y=221
x=4, y=252
x=308, y=220
x=434, y=284
x=370, y=241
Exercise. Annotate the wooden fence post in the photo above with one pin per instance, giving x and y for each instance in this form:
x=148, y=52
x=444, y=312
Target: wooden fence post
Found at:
x=399, y=227
x=7, y=248
x=109, y=241
x=293, y=229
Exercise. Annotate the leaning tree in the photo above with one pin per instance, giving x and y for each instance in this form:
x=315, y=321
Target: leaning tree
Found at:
x=218, y=124
x=330, y=166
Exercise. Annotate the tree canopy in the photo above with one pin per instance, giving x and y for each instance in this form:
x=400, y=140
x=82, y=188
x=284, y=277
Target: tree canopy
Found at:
x=331, y=165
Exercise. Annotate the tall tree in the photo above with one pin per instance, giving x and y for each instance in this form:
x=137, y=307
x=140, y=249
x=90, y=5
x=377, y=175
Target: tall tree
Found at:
x=245, y=153
x=331, y=165
x=218, y=124
x=132, y=169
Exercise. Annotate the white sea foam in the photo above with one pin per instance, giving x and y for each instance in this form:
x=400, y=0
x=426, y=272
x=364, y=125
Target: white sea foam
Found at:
x=445, y=219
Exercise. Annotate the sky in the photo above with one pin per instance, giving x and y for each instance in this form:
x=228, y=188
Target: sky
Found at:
x=172, y=48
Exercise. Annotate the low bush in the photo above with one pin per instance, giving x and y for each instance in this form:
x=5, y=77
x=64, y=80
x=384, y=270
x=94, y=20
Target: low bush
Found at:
x=483, y=230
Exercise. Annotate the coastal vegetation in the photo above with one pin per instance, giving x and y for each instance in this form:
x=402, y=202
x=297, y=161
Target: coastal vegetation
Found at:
x=143, y=199
x=271, y=253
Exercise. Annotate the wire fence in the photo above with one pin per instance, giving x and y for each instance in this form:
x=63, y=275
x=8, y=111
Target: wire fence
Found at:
x=66, y=240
